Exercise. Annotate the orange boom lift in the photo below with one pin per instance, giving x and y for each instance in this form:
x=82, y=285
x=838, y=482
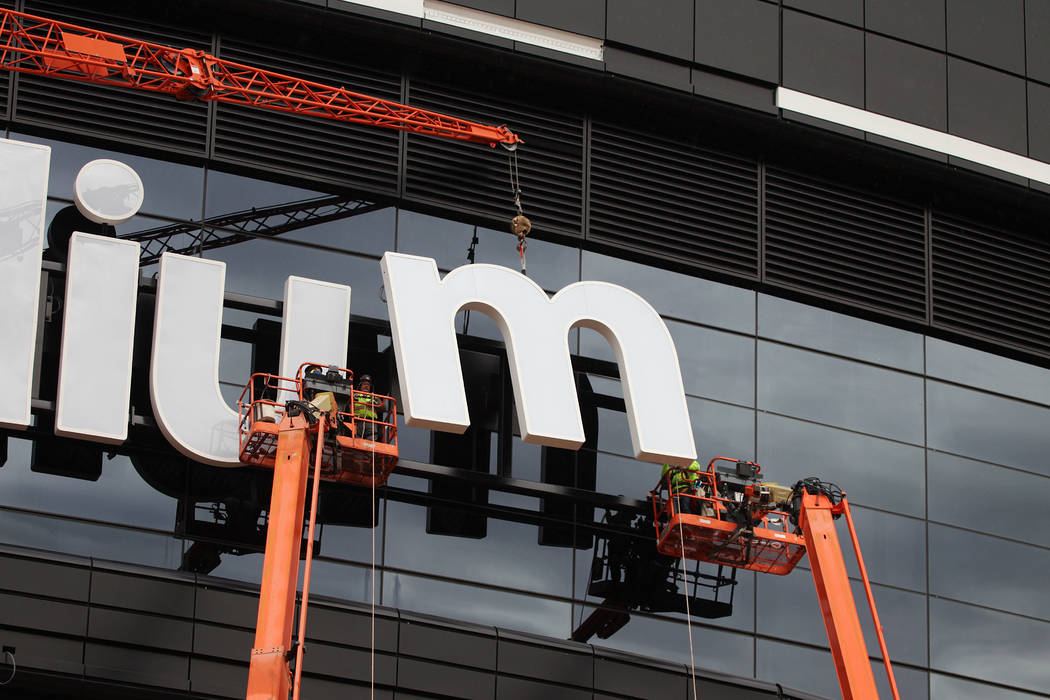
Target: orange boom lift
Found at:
x=729, y=516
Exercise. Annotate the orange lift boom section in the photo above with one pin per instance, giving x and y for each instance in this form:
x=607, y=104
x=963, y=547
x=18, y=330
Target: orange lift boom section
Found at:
x=41, y=46
x=729, y=516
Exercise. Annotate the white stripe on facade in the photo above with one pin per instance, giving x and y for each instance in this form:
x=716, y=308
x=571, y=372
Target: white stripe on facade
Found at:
x=913, y=134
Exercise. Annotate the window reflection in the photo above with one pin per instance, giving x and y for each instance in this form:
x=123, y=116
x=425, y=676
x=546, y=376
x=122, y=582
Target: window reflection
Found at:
x=894, y=548
x=550, y=265
x=533, y=567
x=874, y=472
x=839, y=392
x=800, y=324
x=170, y=189
x=948, y=688
x=119, y=496
x=989, y=645
x=987, y=427
x=720, y=430
x=1010, y=577
x=677, y=295
x=447, y=242
x=227, y=193
x=984, y=370
x=474, y=604
x=89, y=539
x=1012, y=503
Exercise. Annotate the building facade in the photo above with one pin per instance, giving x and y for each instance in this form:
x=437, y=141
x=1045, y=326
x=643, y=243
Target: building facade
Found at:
x=851, y=297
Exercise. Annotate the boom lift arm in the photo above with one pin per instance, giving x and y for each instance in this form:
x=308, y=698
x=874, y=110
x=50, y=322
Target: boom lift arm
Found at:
x=41, y=46
x=731, y=517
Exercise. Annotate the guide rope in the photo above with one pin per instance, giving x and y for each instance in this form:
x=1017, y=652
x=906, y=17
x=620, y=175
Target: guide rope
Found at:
x=372, y=583
x=688, y=615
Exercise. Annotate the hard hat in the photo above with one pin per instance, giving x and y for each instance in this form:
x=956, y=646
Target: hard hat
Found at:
x=364, y=378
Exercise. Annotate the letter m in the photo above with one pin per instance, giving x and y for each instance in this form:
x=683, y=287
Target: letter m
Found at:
x=536, y=331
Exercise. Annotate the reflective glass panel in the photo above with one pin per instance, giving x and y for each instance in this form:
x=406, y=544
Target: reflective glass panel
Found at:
x=89, y=539
x=839, y=392
x=809, y=326
x=729, y=652
x=368, y=234
x=720, y=430
x=260, y=268
x=677, y=295
x=875, y=472
x=957, y=363
x=988, y=427
x=625, y=476
x=989, y=645
x=533, y=567
x=228, y=193
x=550, y=265
x=119, y=496
x=788, y=608
x=949, y=688
x=1012, y=503
x=446, y=241
x=1011, y=576
x=171, y=189
x=476, y=604
x=894, y=548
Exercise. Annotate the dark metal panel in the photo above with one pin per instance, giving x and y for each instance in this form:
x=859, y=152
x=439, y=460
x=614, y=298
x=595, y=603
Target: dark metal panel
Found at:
x=43, y=615
x=521, y=689
x=457, y=646
x=138, y=593
x=992, y=284
x=136, y=666
x=636, y=680
x=213, y=678
x=663, y=27
x=144, y=630
x=128, y=116
x=546, y=663
x=226, y=607
x=222, y=642
x=345, y=662
x=42, y=651
x=445, y=680
x=673, y=200
x=343, y=625
x=359, y=156
x=824, y=239
x=474, y=178
x=57, y=580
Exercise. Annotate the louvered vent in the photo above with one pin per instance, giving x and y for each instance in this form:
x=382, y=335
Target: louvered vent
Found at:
x=991, y=284
x=129, y=116
x=475, y=178
x=678, y=202
x=362, y=157
x=845, y=245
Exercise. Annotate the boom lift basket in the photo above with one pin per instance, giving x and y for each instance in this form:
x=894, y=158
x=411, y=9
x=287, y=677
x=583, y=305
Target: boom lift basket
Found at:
x=359, y=450
x=712, y=524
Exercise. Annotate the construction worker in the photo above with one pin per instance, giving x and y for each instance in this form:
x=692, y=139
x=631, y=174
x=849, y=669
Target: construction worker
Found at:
x=365, y=406
x=684, y=481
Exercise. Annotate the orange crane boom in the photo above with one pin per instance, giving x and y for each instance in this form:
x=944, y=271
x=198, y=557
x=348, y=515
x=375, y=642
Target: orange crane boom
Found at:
x=41, y=46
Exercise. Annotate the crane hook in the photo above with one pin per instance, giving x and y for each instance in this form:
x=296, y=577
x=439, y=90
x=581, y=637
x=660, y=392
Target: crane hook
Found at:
x=520, y=225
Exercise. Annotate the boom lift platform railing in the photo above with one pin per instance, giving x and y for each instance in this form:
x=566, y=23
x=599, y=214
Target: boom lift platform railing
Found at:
x=729, y=516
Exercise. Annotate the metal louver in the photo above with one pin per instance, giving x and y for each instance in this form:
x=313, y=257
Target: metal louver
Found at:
x=475, y=178
x=991, y=284
x=844, y=245
x=361, y=157
x=674, y=201
x=128, y=116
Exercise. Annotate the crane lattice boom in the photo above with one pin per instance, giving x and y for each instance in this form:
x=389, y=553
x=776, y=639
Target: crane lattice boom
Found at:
x=41, y=46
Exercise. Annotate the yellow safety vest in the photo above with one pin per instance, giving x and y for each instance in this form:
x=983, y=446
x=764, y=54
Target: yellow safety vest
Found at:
x=683, y=480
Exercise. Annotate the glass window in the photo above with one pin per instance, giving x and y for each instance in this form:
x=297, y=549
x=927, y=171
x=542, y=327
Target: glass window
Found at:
x=447, y=242
x=343, y=581
x=89, y=539
x=260, y=268
x=989, y=645
x=533, y=567
x=788, y=608
x=227, y=193
x=1010, y=576
x=993, y=499
x=729, y=652
x=475, y=604
x=987, y=427
x=677, y=295
x=720, y=430
x=714, y=364
x=894, y=548
x=625, y=476
x=814, y=671
x=120, y=495
x=800, y=324
x=957, y=363
x=171, y=189
x=367, y=234
x=874, y=472
x=839, y=392
x=949, y=688
x=550, y=265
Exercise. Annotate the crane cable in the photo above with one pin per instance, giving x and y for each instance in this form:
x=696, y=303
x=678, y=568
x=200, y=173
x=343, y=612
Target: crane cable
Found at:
x=520, y=225
x=688, y=615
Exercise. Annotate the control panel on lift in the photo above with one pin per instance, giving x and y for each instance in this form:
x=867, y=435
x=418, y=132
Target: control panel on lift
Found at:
x=360, y=446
